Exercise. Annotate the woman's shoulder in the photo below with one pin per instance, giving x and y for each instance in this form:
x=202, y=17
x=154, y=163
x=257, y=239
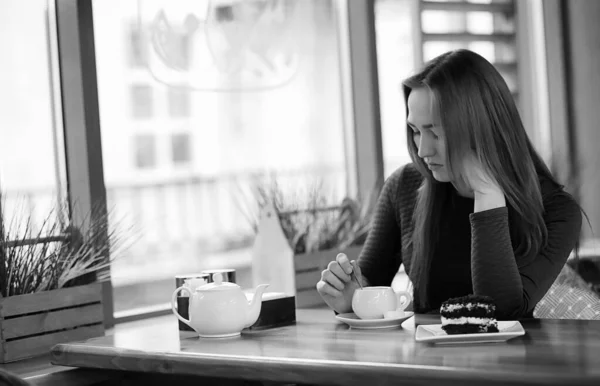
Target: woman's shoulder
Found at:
x=406, y=174
x=558, y=203
x=404, y=182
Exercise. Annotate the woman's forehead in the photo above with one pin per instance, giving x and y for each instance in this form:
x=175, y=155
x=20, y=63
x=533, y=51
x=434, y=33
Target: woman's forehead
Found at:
x=421, y=107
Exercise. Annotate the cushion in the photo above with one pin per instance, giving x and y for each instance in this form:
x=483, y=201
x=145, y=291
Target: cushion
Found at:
x=569, y=297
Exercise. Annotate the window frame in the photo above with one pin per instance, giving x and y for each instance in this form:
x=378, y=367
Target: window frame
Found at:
x=81, y=118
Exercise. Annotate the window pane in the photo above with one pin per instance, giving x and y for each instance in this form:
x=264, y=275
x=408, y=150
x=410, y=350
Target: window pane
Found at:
x=258, y=87
x=395, y=59
x=145, y=151
x=180, y=148
x=179, y=102
x=142, y=102
x=471, y=22
x=443, y=21
x=31, y=167
x=137, y=50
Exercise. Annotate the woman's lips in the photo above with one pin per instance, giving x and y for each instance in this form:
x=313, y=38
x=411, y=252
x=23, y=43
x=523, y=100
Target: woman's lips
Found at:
x=434, y=166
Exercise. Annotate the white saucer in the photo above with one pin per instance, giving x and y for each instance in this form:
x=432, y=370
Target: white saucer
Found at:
x=433, y=333
x=371, y=324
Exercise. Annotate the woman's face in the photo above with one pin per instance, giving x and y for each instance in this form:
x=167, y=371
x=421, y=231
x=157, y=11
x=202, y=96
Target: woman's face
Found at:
x=428, y=134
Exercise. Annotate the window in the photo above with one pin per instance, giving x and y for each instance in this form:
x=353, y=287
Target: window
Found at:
x=144, y=150
x=256, y=105
x=136, y=50
x=32, y=171
x=180, y=148
x=396, y=61
x=485, y=26
x=224, y=13
x=179, y=102
x=142, y=101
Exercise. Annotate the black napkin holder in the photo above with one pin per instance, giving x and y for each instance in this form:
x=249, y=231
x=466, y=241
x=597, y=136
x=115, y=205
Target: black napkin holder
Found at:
x=277, y=310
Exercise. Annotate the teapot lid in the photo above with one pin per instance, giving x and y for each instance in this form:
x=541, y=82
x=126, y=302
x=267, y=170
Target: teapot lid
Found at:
x=218, y=284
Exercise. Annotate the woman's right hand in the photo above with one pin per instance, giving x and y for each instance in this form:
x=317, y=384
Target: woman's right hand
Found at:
x=337, y=286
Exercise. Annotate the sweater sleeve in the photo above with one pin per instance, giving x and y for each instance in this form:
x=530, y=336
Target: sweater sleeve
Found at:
x=516, y=290
x=381, y=257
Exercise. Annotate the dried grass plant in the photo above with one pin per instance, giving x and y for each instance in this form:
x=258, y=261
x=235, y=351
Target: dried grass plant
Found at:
x=309, y=220
x=55, y=254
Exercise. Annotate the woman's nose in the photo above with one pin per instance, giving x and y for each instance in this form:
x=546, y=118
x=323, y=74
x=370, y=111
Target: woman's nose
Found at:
x=426, y=148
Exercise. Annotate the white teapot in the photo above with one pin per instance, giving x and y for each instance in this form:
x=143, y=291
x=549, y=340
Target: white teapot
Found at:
x=220, y=309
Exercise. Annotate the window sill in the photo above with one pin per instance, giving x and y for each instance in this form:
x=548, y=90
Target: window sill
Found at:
x=142, y=313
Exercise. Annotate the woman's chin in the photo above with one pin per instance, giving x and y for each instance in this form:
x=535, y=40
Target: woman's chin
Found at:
x=440, y=176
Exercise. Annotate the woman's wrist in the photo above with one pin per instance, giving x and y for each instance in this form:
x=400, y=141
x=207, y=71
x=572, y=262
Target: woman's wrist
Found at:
x=490, y=199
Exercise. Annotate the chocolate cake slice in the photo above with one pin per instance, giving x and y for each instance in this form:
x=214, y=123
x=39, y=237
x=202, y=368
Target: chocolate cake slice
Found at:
x=468, y=315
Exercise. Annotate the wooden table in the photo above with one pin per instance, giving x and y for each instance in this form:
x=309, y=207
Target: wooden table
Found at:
x=320, y=350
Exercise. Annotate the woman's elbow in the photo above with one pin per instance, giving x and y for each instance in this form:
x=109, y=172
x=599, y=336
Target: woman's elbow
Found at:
x=513, y=310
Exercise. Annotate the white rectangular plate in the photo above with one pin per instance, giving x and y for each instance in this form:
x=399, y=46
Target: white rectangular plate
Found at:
x=433, y=333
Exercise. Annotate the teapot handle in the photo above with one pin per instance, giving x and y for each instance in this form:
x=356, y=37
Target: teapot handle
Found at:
x=174, y=299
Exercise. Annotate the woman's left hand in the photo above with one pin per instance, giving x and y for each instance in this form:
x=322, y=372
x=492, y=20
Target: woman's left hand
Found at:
x=477, y=179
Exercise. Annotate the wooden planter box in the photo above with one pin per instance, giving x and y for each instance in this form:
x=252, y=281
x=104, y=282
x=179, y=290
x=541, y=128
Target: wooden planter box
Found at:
x=308, y=268
x=31, y=324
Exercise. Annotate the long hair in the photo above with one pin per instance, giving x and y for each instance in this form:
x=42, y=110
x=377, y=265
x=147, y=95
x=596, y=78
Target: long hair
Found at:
x=478, y=115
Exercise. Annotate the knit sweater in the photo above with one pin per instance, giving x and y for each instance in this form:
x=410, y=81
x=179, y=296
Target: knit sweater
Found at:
x=491, y=266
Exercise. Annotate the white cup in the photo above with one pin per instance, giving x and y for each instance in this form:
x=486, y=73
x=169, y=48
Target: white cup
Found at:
x=374, y=302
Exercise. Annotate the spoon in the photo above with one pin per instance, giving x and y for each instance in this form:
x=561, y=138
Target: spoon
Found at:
x=354, y=274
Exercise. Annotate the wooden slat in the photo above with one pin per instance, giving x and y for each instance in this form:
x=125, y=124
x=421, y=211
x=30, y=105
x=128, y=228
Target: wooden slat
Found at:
x=459, y=6
x=48, y=300
x=52, y=321
x=309, y=298
x=467, y=37
x=41, y=240
x=37, y=345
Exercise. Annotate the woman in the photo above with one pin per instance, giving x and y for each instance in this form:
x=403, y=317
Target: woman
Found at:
x=476, y=212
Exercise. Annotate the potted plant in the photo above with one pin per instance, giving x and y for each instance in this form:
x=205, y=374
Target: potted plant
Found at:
x=50, y=280
x=315, y=230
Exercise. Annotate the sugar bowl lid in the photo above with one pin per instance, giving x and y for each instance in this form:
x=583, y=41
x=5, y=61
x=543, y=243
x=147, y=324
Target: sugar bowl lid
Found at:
x=218, y=284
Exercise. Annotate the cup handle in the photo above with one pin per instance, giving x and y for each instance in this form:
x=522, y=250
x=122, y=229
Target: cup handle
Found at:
x=402, y=304
x=174, y=299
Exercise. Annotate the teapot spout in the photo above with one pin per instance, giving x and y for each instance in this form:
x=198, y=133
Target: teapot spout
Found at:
x=255, y=305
